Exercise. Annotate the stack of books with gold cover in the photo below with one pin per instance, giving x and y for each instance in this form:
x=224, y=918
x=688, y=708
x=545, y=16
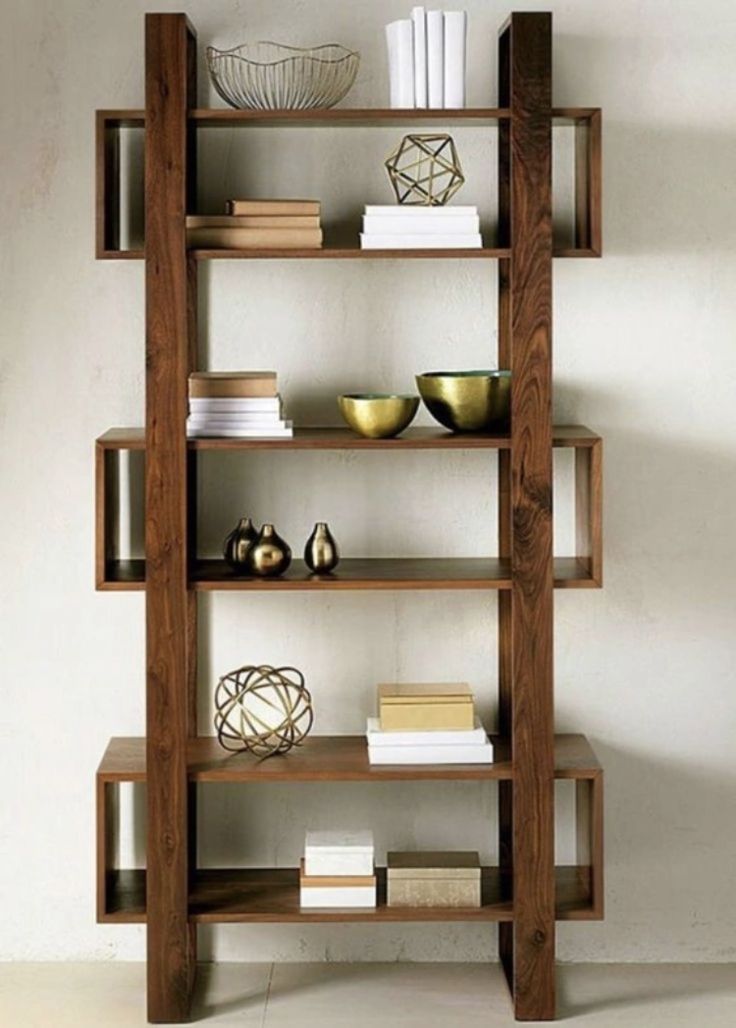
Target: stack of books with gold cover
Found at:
x=337, y=870
x=427, y=723
x=258, y=225
x=236, y=405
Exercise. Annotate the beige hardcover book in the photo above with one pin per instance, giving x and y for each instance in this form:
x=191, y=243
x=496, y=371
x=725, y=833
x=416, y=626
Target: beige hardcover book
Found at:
x=253, y=221
x=332, y=881
x=254, y=238
x=441, y=879
x=425, y=706
x=273, y=207
x=213, y=384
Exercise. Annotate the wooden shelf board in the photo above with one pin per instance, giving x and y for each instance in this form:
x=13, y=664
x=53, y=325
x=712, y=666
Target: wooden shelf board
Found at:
x=253, y=895
x=349, y=252
x=338, y=758
x=359, y=573
x=368, y=573
x=345, y=116
x=340, y=438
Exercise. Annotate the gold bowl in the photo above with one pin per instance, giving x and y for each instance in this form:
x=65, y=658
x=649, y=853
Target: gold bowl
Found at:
x=468, y=401
x=377, y=415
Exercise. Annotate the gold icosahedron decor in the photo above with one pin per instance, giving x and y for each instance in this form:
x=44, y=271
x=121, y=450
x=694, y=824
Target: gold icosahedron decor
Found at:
x=425, y=170
x=262, y=710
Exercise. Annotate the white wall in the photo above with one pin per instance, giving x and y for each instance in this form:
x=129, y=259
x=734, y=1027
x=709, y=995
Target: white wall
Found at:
x=644, y=353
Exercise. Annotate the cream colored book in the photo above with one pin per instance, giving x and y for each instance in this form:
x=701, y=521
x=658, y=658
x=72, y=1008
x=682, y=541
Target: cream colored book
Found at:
x=254, y=238
x=232, y=384
x=253, y=221
x=273, y=207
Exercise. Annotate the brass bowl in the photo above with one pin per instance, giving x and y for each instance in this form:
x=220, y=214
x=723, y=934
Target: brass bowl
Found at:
x=377, y=415
x=468, y=401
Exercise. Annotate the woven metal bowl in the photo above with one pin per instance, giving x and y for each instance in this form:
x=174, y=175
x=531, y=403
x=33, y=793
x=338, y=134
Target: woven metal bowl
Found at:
x=269, y=76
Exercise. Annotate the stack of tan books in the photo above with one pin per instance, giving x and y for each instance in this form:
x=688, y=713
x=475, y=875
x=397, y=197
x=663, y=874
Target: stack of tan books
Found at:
x=258, y=225
x=236, y=405
x=427, y=723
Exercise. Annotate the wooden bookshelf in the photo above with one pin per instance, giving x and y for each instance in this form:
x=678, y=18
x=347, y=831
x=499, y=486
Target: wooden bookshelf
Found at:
x=526, y=894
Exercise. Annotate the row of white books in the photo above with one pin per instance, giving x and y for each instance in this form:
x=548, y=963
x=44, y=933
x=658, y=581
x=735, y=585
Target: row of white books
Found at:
x=338, y=870
x=456, y=746
x=399, y=227
x=427, y=59
x=238, y=418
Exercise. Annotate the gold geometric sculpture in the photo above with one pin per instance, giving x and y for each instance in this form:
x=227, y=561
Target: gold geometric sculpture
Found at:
x=425, y=170
x=263, y=710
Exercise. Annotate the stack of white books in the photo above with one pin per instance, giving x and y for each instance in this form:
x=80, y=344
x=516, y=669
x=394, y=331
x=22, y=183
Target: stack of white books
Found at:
x=452, y=746
x=427, y=58
x=398, y=227
x=338, y=870
x=236, y=405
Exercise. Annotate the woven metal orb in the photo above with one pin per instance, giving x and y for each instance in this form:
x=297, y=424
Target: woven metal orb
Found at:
x=425, y=170
x=262, y=710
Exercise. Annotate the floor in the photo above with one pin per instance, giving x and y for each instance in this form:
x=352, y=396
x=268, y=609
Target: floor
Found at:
x=110, y=995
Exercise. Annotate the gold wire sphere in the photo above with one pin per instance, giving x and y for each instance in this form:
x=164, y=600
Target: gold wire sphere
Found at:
x=425, y=170
x=262, y=710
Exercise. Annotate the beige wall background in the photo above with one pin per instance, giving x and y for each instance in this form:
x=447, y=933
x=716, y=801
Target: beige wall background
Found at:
x=644, y=353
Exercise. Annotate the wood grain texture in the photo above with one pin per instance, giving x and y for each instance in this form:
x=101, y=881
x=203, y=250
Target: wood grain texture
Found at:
x=271, y=896
x=588, y=185
x=347, y=116
x=344, y=439
x=337, y=758
x=358, y=573
x=589, y=510
x=107, y=181
x=530, y=91
x=171, y=944
x=505, y=663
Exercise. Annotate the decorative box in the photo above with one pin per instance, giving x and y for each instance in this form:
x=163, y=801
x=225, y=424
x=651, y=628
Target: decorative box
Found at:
x=336, y=891
x=425, y=706
x=433, y=880
x=338, y=852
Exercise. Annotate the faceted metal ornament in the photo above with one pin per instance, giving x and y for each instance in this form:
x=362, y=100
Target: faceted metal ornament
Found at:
x=425, y=170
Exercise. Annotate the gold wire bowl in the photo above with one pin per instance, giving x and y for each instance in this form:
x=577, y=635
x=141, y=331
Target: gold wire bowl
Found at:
x=269, y=76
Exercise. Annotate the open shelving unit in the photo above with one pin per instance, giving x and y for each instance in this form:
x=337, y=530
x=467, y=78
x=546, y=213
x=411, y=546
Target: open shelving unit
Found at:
x=526, y=893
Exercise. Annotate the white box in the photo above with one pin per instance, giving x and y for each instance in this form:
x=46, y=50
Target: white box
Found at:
x=332, y=897
x=338, y=852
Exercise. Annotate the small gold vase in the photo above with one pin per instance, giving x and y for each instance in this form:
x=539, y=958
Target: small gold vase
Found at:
x=270, y=555
x=321, y=554
x=238, y=543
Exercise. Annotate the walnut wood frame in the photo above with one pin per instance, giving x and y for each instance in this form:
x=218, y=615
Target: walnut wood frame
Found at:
x=586, y=177
x=121, y=891
x=582, y=570
x=526, y=893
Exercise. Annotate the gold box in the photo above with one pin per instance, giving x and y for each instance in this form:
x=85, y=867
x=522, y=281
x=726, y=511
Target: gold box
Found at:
x=425, y=706
x=433, y=880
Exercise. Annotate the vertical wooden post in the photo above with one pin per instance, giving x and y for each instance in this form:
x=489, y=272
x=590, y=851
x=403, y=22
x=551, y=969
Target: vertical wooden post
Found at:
x=526, y=52
x=505, y=789
x=170, y=46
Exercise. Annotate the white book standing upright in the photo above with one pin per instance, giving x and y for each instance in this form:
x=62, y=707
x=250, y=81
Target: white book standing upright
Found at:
x=435, y=59
x=456, y=25
x=419, y=22
x=400, y=43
